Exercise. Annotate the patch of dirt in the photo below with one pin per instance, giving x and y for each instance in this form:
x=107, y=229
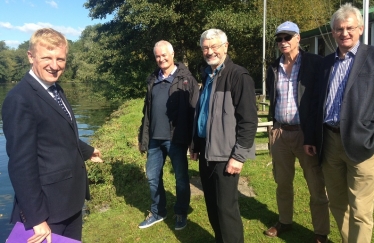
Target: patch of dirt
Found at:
x=244, y=189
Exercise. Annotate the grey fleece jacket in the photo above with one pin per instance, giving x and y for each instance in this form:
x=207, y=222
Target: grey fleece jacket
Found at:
x=232, y=120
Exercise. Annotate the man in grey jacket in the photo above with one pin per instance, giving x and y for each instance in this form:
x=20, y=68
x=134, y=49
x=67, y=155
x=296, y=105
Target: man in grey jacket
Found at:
x=224, y=131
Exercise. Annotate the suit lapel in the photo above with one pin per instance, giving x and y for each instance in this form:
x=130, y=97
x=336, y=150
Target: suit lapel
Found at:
x=359, y=61
x=44, y=95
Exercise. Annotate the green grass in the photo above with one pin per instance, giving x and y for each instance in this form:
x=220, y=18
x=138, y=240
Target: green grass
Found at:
x=120, y=193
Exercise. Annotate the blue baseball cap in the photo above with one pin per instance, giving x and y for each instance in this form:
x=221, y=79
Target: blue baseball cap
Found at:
x=287, y=28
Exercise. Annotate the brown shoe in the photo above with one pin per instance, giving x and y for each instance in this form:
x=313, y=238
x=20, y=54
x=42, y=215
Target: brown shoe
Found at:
x=320, y=238
x=278, y=229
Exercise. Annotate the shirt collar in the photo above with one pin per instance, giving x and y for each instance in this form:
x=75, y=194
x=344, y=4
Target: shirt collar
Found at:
x=169, y=78
x=208, y=70
x=297, y=61
x=351, y=52
x=44, y=84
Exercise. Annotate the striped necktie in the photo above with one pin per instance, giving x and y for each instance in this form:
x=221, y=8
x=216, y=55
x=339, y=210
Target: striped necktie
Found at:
x=58, y=99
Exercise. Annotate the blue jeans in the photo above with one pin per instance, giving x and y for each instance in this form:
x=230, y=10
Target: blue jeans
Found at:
x=157, y=152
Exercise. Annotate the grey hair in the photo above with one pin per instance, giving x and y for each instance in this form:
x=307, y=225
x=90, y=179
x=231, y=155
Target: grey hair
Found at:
x=213, y=34
x=163, y=43
x=344, y=12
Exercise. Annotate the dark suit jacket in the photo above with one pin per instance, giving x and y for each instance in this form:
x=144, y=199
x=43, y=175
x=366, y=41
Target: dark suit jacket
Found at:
x=46, y=157
x=357, y=109
x=306, y=81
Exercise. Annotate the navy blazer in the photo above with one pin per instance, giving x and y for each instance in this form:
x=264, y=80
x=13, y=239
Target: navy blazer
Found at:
x=305, y=85
x=357, y=109
x=46, y=157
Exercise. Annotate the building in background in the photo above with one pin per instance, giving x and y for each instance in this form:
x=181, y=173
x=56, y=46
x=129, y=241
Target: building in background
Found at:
x=320, y=41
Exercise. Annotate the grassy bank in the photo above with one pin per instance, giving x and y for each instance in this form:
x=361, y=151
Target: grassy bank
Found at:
x=120, y=193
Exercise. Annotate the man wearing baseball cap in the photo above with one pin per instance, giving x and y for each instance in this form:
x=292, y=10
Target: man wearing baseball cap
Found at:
x=290, y=83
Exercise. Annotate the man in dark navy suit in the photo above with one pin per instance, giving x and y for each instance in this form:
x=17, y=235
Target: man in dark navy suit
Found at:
x=342, y=126
x=46, y=157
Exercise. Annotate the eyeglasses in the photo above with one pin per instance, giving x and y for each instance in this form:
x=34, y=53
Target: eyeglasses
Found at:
x=214, y=47
x=341, y=30
x=286, y=38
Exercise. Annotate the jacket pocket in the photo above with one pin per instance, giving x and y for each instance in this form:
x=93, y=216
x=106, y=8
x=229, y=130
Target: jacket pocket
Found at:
x=55, y=177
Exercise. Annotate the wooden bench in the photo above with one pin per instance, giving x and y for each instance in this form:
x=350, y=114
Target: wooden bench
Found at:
x=260, y=102
x=265, y=127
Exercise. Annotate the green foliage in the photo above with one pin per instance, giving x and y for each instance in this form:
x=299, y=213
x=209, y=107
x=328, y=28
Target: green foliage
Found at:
x=115, y=58
x=13, y=63
x=5, y=62
x=126, y=42
x=123, y=164
x=21, y=62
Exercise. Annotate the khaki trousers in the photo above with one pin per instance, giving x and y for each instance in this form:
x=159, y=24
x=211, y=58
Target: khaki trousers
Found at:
x=285, y=148
x=350, y=187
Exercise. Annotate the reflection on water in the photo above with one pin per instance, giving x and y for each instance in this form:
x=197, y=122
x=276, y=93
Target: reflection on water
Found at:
x=90, y=112
x=5, y=199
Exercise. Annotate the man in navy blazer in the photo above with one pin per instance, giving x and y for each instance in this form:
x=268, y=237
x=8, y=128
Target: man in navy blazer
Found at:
x=342, y=127
x=46, y=157
x=290, y=84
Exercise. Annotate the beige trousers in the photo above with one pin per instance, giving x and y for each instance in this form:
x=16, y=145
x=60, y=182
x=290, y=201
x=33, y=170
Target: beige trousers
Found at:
x=350, y=187
x=286, y=146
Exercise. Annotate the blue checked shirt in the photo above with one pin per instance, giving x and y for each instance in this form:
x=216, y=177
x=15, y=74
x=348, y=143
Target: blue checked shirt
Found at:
x=337, y=83
x=204, y=101
x=286, y=110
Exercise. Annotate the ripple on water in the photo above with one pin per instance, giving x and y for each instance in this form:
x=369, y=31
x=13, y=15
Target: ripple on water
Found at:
x=5, y=199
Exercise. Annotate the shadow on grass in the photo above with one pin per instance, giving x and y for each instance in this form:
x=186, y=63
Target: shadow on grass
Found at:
x=192, y=233
x=131, y=184
x=252, y=209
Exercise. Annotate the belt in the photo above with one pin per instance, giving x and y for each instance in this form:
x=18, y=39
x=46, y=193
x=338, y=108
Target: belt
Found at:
x=288, y=127
x=331, y=128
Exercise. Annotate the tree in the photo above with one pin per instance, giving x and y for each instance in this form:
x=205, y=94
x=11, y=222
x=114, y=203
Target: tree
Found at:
x=6, y=62
x=122, y=47
x=126, y=42
x=21, y=63
x=85, y=57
